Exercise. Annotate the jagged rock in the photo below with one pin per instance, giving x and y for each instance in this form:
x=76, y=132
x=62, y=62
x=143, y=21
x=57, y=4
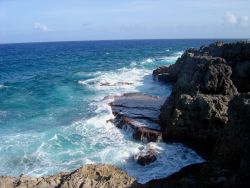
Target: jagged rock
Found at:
x=236, y=55
x=196, y=111
x=230, y=164
x=160, y=70
x=147, y=155
x=139, y=114
x=236, y=138
x=163, y=74
x=203, y=74
x=206, y=112
x=232, y=151
x=195, y=121
x=103, y=176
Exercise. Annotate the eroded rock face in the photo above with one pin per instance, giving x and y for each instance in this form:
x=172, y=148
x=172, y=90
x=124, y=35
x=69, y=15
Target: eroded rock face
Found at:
x=206, y=79
x=195, y=121
x=236, y=55
x=138, y=114
x=230, y=163
x=196, y=111
x=232, y=151
x=87, y=176
x=207, y=112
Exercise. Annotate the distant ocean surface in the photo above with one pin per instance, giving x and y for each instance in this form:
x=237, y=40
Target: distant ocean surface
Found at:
x=52, y=112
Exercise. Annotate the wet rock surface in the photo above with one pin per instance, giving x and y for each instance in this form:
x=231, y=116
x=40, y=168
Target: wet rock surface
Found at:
x=138, y=114
x=147, y=155
x=103, y=176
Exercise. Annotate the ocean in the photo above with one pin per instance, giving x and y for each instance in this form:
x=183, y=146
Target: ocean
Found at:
x=53, y=114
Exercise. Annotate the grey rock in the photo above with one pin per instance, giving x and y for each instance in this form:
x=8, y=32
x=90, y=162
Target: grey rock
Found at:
x=147, y=155
x=139, y=114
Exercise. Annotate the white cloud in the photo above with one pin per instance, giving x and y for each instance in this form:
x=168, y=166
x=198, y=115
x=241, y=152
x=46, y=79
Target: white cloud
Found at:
x=234, y=20
x=231, y=18
x=41, y=27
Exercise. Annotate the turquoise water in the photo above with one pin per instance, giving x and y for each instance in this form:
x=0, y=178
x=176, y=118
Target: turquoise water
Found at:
x=53, y=115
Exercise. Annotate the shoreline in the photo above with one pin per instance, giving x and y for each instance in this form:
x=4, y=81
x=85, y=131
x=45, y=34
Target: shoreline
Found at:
x=207, y=111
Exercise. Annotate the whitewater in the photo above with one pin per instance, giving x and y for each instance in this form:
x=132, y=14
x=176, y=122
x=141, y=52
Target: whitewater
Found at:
x=54, y=106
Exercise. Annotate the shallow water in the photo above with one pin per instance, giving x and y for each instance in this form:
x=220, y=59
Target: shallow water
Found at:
x=52, y=112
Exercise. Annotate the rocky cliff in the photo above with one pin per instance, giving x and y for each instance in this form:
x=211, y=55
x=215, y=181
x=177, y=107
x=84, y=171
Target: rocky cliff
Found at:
x=208, y=110
x=205, y=80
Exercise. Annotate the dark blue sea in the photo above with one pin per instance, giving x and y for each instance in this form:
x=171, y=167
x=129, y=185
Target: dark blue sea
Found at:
x=52, y=108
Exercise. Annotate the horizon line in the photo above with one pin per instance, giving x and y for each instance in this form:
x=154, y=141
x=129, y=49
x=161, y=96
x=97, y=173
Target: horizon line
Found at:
x=100, y=40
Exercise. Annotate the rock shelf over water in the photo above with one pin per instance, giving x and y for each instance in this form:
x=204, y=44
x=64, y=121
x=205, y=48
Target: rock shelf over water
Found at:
x=139, y=114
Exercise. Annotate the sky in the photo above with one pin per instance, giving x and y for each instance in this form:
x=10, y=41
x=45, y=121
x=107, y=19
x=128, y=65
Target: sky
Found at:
x=77, y=20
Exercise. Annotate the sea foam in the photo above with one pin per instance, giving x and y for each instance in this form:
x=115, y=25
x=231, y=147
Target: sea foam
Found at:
x=58, y=122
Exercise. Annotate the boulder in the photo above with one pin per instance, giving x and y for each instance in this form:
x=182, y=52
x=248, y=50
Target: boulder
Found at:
x=147, y=155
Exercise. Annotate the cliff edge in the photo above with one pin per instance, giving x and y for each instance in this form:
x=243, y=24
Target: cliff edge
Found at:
x=209, y=110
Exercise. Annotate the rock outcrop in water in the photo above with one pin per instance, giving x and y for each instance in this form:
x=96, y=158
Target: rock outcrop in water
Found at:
x=209, y=110
x=147, y=155
x=138, y=114
x=103, y=176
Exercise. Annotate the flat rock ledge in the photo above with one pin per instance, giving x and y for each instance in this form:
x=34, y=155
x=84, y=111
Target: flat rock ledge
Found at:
x=139, y=114
x=99, y=176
